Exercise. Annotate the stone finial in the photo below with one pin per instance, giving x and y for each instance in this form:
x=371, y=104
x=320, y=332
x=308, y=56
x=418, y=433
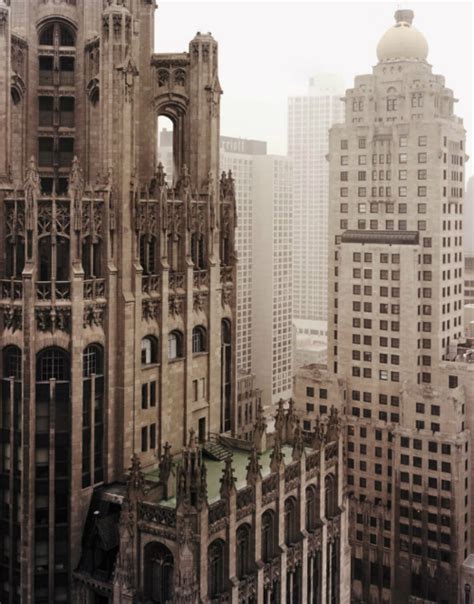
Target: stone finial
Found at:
x=260, y=430
x=165, y=467
x=228, y=479
x=333, y=426
x=254, y=469
x=192, y=439
x=290, y=421
x=277, y=457
x=280, y=418
x=135, y=479
x=298, y=444
x=318, y=435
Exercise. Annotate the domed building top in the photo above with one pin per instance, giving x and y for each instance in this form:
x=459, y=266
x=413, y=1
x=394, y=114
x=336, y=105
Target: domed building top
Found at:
x=402, y=41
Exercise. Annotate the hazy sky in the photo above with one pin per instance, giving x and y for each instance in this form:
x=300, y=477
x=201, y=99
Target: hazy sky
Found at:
x=268, y=50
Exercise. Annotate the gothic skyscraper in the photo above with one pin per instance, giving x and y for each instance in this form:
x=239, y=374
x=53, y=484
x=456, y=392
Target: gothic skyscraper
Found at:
x=118, y=412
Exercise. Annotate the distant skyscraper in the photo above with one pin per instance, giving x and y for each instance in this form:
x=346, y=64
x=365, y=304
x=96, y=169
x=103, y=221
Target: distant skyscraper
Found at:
x=309, y=118
x=469, y=218
x=272, y=277
x=238, y=155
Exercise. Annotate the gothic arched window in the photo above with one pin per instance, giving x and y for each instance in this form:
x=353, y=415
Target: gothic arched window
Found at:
x=149, y=350
x=15, y=257
x=199, y=339
x=53, y=259
x=148, y=254
x=216, y=568
x=243, y=551
x=175, y=345
x=92, y=414
x=91, y=257
x=268, y=536
x=312, y=507
x=53, y=441
x=198, y=251
x=226, y=374
x=159, y=569
x=291, y=521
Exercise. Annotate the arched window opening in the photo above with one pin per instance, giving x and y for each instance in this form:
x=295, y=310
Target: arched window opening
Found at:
x=57, y=34
x=225, y=249
x=268, y=536
x=330, y=490
x=244, y=563
x=198, y=251
x=92, y=415
x=15, y=257
x=166, y=148
x=52, y=441
x=216, y=568
x=12, y=362
x=312, y=507
x=175, y=345
x=91, y=258
x=199, y=339
x=148, y=246
x=226, y=374
x=56, y=147
x=149, y=350
x=53, y=259
x=159, y=570
x=291, y=521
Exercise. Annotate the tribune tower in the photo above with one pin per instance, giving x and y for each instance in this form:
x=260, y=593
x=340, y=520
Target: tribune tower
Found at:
x=117, y=286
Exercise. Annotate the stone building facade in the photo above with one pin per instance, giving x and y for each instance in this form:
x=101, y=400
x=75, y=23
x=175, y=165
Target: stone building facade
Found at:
x=395, y=299
x=118, y=337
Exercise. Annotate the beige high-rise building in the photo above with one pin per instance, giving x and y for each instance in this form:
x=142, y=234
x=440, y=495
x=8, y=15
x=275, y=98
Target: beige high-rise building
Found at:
x=309, y=118
x=272, y=346
x=395, y=335
x=237, y=155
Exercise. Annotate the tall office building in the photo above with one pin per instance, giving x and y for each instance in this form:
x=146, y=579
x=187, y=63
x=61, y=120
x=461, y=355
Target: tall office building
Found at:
x=272, y=345
x=395, y=335
x=237, y=155
x=309, y=118
x=469, y=218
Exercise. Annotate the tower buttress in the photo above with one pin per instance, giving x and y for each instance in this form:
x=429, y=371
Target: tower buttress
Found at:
x=4, y=91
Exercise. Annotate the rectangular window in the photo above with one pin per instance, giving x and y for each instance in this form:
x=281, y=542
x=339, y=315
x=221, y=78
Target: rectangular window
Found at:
x=144, y=440
x=153, y=436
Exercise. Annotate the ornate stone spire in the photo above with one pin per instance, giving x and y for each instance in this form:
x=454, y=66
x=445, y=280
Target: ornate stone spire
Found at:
x=135, y=480
x=318, y=435
x=290, y=421
x=254, y=469
x=165, y=466
x=298, y=444
x=260, y=430
x=191, y=476
x=280, y=418
x=333, y=426
x=277, y=457
x=228, y=479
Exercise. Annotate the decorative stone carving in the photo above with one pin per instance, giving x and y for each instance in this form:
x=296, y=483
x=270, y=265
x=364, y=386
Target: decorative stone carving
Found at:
x=94, y=315
x=53, y=318
x=176, y=306
x=199, y=302
x=151, y=310
x=12, y=318
x=226, y=296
